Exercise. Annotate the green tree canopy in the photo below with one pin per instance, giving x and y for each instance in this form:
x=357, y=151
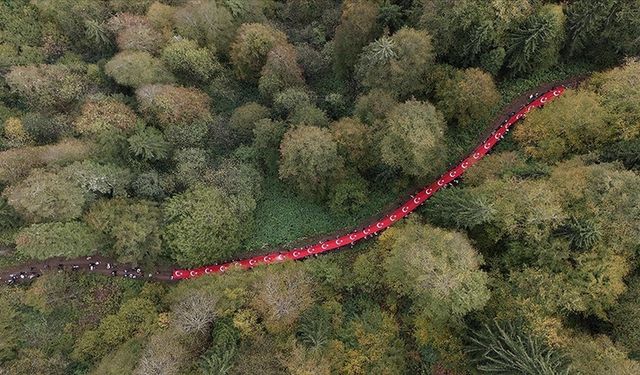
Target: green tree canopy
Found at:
x=133, y=227
x=357, y=28
x=585, y=127
x=190, y=62
x=172, y=105
x=48, y=87
x=250, y=48
x=413, y=138
x=440, y=269
x=469, y=98
x=137, y=68
x=47, y=240
x=202, y=226
x=98, y=116
x=400, y=63
x=309, y=160
x=46, y=196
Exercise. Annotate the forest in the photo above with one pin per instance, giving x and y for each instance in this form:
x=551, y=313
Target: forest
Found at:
x=180, y=133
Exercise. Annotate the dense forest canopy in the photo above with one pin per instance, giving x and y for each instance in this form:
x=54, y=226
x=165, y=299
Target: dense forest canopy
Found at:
x=188, y=132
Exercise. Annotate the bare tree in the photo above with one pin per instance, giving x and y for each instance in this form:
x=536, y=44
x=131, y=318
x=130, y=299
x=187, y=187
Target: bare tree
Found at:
x=195, y=313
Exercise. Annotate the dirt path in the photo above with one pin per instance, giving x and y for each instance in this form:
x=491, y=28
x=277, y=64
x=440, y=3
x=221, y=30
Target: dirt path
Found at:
x=105, y=266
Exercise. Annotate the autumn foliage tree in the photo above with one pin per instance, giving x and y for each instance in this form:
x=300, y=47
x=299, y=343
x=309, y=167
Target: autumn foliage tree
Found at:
x=400, y=63
x=412, y=141
x=250, y=48
x=309, y=160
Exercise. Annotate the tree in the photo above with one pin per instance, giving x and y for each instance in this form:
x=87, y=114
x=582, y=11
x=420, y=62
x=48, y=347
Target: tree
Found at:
x=99, y=179
x=620, y=95
x=237, y=178
x=584, y=129
x=308, y=114
x=148, y=143
x=133, y=228
x=16, y=164
x=371, y=345
x=191, y=164
x=190, y=62
x=136, y=69
x=349, y=196
x=469, y=98
x=244, y=118
x=136, y=316
x=172, y=105
x=15, y=134
x=625, y=317
x=8, y=216
x=505, y=349
x=309, y=160
x=195, y=313
x=134, y=32
x=354, y=142
x=282, y=296
x=46, y=196
x=400, y=64
x=160, y=358
x=44, y=128
x=288, y=100
x=250, y=48
x=208, y=23
x=534, y=44
x=460, y=209
x=598, y=355
x=202, y=226
x=47, y=240
x=280, y=71
x=267, y=136
x=47, y=87
x=414, y=138
x=357, y=28
x=603, y=29
x=439, y=269
x=474, y=39
x=98, y=116
x=373, y=107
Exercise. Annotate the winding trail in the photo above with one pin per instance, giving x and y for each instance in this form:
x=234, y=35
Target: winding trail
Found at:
x=517, y=111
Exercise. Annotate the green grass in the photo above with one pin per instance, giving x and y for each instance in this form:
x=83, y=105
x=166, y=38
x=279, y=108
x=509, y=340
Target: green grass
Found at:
x=282, y=217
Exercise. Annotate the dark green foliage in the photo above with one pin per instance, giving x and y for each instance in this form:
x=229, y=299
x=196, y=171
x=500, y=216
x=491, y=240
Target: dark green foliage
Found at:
x=202, y=226
x=148, y=143
x=219, y=359
x=8, y=216
x=534, y=44
x=507, y=349
x=43, y=128
x=625, y=317
x=582, y=234
x=459, y=209
x=603, y=29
